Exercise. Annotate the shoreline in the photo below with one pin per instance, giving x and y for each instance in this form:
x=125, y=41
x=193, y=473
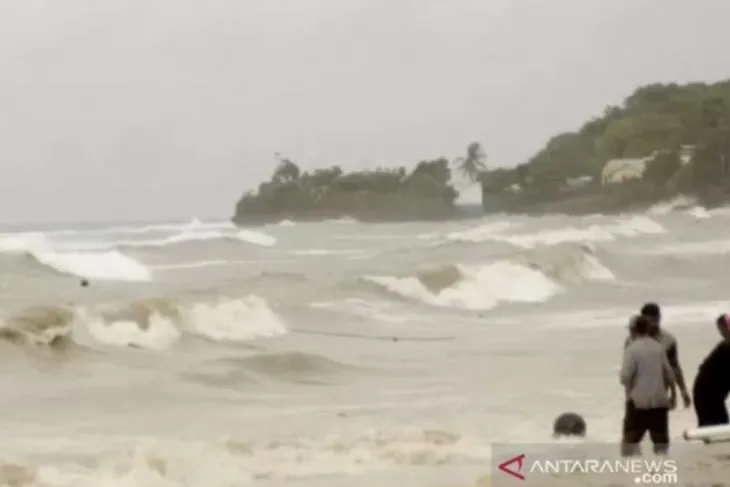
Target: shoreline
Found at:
x=579, y=206
x=465, y=212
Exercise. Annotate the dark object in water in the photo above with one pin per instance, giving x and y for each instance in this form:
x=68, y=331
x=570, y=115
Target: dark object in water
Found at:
x=84, y=283
x=569, y=424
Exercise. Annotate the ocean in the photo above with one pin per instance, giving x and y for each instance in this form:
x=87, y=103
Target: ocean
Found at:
x=333, y=353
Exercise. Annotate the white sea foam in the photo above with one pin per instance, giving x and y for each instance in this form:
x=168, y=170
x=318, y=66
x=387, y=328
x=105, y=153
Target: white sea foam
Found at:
x=234, y=320
x=159, y=324
x=480, y=233
x=109, y=265
x=479, y=287
x=678, y=203
x=90, y=241
x=242, y=462
x=631, y=227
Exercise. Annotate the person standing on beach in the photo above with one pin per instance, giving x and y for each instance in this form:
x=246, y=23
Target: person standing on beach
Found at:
x=712, y=383
x=646, y=375
x=669, y=342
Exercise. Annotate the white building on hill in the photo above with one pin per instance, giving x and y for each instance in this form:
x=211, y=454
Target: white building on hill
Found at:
x=619, y=170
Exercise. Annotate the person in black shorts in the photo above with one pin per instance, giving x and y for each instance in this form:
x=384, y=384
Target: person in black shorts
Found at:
x=646, y=376
x=712, y=383
x=653, y=312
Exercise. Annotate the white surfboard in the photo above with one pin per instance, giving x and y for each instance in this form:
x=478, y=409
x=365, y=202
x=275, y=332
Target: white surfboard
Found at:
x=709, y=434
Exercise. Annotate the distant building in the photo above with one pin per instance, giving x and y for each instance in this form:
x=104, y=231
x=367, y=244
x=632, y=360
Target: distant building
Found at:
x=620, y=170
x=578, y=182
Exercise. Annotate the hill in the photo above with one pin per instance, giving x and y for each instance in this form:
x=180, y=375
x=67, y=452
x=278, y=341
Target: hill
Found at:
x=678, y=135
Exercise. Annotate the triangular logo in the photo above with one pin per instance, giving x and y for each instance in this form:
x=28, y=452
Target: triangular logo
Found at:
x=513, y=466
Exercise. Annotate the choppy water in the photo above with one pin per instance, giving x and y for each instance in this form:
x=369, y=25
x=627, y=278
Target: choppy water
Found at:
x=335, y=353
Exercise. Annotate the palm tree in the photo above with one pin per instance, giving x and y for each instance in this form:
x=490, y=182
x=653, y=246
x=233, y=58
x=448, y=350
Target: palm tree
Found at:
x=474, y=163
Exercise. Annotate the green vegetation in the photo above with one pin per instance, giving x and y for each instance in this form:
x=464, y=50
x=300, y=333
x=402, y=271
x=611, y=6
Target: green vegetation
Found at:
x=381, y=194
x=682, y=132
x=659, y=122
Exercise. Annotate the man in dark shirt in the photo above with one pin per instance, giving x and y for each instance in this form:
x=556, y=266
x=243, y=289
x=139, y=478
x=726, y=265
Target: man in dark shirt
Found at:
x=712, y=384
x=669, y=342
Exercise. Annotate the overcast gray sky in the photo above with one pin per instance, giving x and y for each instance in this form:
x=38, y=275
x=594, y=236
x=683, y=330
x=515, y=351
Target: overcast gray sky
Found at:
x=153, y=109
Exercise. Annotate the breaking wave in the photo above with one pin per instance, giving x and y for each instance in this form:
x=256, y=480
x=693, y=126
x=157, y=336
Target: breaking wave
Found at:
x=680, y=202
x=684, y=204
x=471, y=287
x=106, y=265
x=247, y=236
x=632, y=227
x=480, y=233
x=496, y=232
x=529, y=278
x=567, y=264
x=154, y=324
x=24, y=242
x=106, y=260
x=170, y=227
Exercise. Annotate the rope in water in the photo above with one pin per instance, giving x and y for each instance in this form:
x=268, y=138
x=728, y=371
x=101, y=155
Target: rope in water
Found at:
x=389, y=338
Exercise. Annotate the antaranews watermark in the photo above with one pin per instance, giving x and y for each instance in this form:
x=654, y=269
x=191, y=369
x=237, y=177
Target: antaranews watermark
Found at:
x=645, y=471
x=525, y=464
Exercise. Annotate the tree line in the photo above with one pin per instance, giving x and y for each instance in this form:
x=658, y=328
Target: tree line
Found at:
x=423, y=192
x=658, y=122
